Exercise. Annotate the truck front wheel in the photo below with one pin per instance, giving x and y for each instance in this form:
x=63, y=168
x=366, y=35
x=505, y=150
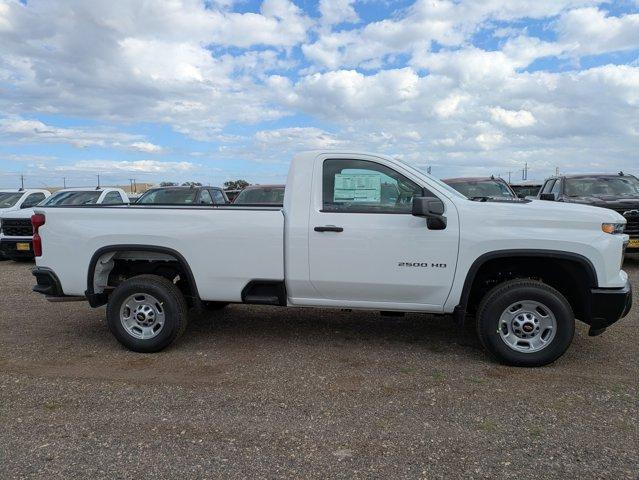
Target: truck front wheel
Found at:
x=525, y=323
x=147, y=313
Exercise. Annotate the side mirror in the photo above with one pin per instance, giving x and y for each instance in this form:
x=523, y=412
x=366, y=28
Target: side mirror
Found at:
x=551, y=197
x=432, y=209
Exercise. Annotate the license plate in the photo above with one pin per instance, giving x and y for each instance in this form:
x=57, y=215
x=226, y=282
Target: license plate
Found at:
x=23, y=247
x=634, y=243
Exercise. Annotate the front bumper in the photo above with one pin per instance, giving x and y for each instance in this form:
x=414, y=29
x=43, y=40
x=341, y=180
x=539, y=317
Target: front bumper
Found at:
x=9, y=248
x=607, y=305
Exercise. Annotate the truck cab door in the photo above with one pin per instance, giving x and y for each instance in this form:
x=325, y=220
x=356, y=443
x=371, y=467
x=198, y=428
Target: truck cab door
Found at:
x=366, y=249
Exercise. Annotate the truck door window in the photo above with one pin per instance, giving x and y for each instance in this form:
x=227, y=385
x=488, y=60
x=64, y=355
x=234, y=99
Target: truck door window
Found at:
x=548, y=186
x=360, y=186
x=33, y=200
x=112, y=198
x=205, y=198
x=218, y=196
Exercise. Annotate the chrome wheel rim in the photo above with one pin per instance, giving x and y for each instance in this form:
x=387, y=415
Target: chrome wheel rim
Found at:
x=527, y=326
x=142, y=316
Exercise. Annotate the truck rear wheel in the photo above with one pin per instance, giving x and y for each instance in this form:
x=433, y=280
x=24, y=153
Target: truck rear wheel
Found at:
x=147, y=313
x=525, y=323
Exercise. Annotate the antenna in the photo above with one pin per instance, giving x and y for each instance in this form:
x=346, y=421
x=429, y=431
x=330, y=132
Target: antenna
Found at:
x=509, y=174
x=64, y=182
x=21, y=182
x=524, y=172
x=98, y=187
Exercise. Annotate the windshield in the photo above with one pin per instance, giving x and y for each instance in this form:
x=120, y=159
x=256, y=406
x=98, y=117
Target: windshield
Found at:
x=261, y=195
x=9, y=199
x=593, y=186
x=482, y=188
x=526, y=190
x=72, y=198
x=169, y=196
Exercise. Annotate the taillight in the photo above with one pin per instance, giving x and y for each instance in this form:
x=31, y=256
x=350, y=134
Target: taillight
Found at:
x=37, y=221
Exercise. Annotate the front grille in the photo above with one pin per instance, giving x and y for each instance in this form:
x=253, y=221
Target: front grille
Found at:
x=17, y=227
x=632, y=219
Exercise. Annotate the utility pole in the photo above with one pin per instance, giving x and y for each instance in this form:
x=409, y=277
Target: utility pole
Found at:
x=135, y=186
x=556, y=171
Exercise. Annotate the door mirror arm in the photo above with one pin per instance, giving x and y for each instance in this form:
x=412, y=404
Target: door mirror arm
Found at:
x=432, y=209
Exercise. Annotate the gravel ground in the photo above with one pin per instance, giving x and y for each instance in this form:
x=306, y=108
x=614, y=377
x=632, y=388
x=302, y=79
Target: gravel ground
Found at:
x=258, y=392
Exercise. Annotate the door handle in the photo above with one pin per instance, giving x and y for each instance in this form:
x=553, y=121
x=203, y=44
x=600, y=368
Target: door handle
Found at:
x=329, y=228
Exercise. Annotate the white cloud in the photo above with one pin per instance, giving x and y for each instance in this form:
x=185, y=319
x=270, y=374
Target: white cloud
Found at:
x=337, y=11
x=512, y=118
x=138, y=166
x=590, y=31
x=16, y=129
x=146, y=147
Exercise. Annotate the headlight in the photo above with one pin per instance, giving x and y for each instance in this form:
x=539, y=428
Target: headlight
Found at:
x=613, y=228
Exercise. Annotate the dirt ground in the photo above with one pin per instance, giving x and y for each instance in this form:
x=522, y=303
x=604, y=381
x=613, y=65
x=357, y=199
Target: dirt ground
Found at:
x=259, y=392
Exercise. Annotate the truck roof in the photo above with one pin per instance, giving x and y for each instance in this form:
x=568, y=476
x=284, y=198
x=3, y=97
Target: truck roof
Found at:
x=471, y=179
x=590, y=175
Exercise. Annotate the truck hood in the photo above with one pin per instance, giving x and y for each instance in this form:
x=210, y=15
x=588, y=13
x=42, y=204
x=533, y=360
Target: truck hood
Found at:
x=549, y=213
x=6, y=211
x=21, y=213
x=608, y=201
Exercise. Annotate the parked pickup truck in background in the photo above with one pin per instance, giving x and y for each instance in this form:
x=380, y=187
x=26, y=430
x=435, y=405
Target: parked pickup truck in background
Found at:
x=618, y=192
x=16, y=200
x=358, y=231
x=16, y=231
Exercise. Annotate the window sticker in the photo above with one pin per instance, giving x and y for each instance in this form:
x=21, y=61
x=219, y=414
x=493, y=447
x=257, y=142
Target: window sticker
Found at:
x=357, y=187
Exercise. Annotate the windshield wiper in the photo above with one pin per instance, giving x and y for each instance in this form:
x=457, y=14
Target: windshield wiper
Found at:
x=481, y=199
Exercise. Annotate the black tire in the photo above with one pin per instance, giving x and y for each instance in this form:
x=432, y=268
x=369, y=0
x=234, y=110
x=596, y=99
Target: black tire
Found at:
x=214, y=306
x=506, y=294
x=173, y=306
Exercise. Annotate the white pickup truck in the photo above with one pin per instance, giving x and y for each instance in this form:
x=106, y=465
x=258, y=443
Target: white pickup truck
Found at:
x=356, y=231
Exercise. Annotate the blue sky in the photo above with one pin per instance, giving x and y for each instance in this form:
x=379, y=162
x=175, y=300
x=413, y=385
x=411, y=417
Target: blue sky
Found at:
x=190, y=90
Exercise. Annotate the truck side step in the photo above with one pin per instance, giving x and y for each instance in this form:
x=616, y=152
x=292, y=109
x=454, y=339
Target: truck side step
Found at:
x=265, y=292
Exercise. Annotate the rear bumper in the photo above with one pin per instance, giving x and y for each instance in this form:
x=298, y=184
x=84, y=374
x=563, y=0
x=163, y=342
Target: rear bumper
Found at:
x=607, y=305
x=47, y=282
x=8, y=248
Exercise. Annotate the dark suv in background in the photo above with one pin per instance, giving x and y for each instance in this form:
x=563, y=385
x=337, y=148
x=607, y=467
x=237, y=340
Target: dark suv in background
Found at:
x=618, y=192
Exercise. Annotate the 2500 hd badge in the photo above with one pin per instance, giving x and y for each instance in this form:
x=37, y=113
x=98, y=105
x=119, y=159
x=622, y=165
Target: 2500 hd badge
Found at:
x=421, y=264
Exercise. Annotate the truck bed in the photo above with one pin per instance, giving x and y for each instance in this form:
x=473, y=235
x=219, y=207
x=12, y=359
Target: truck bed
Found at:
x=226, y=247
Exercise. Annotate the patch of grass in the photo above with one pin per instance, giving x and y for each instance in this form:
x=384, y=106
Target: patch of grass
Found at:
x=51, y=406
x=439, y=376
x=488, y=425
x=407, y=370
x=618, y=389
x=536, y=431
x=477, y=381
